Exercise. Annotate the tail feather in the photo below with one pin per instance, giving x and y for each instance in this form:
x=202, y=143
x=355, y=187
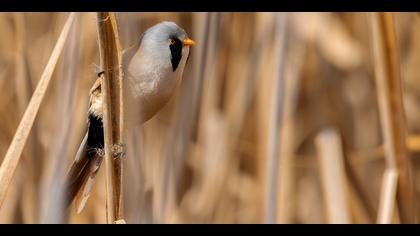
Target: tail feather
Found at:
x=87, y=183
x=74, y=181
x=81, y=176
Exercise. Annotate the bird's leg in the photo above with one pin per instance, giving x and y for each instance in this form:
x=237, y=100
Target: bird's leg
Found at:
x=118, y=150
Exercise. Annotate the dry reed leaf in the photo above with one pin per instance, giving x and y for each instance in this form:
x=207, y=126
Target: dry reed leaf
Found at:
x=12, y=157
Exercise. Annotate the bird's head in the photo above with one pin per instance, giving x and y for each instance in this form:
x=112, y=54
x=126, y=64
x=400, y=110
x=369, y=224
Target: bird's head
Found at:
x=168, y=41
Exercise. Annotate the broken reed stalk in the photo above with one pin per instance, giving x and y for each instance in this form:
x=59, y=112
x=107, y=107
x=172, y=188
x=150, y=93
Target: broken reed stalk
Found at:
x=388, y=193
x=111, y=84
x=333, y=177
x=11, y=160
x=392, y=115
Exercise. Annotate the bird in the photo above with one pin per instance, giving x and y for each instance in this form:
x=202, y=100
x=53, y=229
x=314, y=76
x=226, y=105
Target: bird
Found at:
x=152, y=71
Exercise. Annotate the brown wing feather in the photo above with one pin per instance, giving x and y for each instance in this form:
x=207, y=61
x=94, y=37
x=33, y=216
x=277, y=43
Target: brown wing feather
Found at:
x=80, y=178
x=88, y=179
x=74, y=177
x=81, y=175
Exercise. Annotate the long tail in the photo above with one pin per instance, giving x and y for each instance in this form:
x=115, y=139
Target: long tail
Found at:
x=80, y=178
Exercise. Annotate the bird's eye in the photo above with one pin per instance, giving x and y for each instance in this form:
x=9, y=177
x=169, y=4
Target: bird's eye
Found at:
x=171, y=41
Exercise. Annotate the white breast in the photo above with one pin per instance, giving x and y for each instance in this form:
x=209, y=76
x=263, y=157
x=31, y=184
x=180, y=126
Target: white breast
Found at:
x=149, y=83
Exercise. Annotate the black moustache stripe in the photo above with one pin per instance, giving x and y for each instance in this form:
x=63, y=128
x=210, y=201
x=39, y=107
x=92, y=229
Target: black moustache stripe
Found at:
x=176, y=53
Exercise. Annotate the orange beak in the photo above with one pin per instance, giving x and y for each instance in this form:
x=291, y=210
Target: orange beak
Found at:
x=188, y=42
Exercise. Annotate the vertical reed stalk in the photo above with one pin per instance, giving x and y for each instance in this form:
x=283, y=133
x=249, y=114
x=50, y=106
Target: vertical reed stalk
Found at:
x=111, y=84
x=286, y=176
x=392, y=114
x=274, y=118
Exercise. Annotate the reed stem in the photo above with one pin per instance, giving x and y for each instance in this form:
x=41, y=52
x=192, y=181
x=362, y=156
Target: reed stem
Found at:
x=111, y=84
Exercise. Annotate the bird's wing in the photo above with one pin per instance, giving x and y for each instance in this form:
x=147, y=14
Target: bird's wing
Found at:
x=81, y=176
x=89, y=157
x=88, y=182
x=74, y=177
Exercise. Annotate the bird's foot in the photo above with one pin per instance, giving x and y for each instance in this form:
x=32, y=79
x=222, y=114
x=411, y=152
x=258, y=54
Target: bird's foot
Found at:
x=100, y=152
x=98, y=70
x=118, y=150
x=100, y=73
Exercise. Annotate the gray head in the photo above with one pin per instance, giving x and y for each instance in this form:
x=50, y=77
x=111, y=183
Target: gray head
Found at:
x=167, y=39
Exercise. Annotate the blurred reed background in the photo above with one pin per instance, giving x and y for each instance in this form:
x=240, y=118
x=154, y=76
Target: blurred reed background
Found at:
x=277, y=120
